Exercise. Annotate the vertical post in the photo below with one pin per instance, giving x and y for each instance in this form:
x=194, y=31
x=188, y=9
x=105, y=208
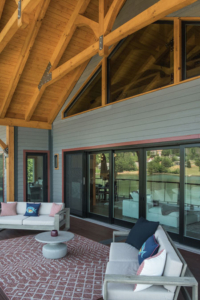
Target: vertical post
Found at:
x=104, y=50
x=195, y=292
x=177, y=50
x=104, y=81
x=10, y=163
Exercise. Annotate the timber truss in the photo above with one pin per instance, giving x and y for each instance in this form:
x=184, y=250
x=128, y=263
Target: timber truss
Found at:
x=29, y=16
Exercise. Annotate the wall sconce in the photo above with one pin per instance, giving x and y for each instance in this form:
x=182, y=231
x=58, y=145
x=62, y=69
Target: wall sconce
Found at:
x=56, y=161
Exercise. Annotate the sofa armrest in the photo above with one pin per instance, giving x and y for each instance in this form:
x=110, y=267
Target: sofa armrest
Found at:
x=66, y=213
x=154, y=280
x=120, y=233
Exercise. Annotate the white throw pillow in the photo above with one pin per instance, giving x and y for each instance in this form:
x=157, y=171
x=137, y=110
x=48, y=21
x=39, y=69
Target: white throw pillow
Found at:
x=152, y=266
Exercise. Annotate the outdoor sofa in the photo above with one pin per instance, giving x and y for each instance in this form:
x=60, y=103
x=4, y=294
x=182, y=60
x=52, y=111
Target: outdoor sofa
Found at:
x=120, y=277
x=41, y=222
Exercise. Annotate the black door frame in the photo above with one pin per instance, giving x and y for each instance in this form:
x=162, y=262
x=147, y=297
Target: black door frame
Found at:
x=45, y=173
x=84, y=181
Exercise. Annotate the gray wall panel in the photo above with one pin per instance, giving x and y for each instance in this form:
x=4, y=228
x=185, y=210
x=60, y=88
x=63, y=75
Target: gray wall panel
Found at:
x=3, y=138
x=29, y=139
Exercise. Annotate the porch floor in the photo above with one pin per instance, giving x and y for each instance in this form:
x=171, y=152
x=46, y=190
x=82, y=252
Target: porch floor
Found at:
x=101, y=233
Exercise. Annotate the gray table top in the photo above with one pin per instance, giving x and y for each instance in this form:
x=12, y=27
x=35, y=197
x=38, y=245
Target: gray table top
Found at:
x=45, y=237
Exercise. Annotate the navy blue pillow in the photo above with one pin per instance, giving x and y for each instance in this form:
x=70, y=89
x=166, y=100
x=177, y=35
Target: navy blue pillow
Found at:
x=32, y=209
x=149, y=248
x=140, y=232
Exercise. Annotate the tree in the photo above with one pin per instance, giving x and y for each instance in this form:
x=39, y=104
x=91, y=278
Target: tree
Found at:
x=166, y=162
x=188, y=163
x=166, y=152
x=125, y=161
x=197, y=162
x=30, y=169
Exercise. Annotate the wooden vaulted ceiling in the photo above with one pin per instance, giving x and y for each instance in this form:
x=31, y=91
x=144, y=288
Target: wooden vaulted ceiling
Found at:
x=62, y=35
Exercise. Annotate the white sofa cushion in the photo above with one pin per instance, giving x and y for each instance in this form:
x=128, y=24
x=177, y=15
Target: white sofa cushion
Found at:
x=21, y=208
x=173, y=265
x=123, y=252
x=152, y=266
x=119, y=291
x=45, y=208
x=12, y=220
x=40, y=220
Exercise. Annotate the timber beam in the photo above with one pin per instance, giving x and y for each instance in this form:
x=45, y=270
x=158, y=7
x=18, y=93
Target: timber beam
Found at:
x=22, y=123
x=10, y=164
x=83, y=21
x=2, y=3
x=15, y=23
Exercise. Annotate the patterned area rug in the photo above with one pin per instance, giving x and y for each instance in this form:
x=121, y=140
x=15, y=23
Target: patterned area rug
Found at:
x=25, y=274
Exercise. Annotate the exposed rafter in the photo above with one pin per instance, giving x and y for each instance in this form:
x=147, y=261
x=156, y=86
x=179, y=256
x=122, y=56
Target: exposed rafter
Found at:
x=2, y=3
x=83, y=21
x=27, y=6
x=59, y=50
x=23, y=57
x=112, y=14
x=22, y=123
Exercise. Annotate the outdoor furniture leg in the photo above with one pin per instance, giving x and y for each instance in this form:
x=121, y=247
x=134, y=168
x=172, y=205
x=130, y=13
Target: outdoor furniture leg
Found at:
x=195, y=292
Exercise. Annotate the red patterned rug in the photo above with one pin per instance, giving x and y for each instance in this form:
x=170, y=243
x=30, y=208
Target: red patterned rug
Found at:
x=25, y=274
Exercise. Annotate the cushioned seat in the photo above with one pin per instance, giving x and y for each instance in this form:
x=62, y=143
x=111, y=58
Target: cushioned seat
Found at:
x=40, y=220
x=120, y=291
x=123, y=252
x=12, y=220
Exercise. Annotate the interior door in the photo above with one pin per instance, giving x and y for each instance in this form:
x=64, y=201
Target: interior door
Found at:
x=74, y=182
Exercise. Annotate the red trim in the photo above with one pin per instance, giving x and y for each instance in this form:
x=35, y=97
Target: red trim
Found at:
x=141, y=142
x=24, y=170
x=150, y=141
x=63, y=176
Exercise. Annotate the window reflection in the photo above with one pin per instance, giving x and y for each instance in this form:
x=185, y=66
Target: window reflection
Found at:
x=192, y=192
x=99, y=174
x=192, y=50
x=163, y=186
x=126, y=186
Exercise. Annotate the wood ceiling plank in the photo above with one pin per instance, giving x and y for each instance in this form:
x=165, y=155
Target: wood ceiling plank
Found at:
x=59, y=50
x=12, y=26
x=24, y=55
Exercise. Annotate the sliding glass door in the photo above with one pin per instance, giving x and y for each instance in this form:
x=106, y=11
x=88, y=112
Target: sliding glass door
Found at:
x=192, y=192
x=99, y=183
x=126, y=186
x=1, y=176
x=163, y=187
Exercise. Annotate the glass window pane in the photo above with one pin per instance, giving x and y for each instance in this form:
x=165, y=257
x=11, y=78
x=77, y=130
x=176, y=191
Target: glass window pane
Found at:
x=192, y=50
x=144, y=62
x=192, y=192
x=99, y=173
x=88, y=98
x=35, y=179
x=126, y=186
x=162, y=187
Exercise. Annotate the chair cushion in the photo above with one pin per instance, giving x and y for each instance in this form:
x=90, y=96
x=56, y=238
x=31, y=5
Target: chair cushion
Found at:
x=173, y=265
x=40, y=220
x=8, y=209
x=45, y=208
x=123, y=252
x=140, y=232
x=152, y=266
x=32, y=209
x=12, y=220
x=119, y=291
x=149, y=249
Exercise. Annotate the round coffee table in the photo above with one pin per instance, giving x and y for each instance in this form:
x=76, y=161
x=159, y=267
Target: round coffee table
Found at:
x=54, y=248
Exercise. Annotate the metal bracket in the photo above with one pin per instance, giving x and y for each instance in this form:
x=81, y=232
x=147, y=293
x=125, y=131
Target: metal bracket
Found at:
x=19, y=9
x=46, y=76
x=6, y=151
x=101, y=42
